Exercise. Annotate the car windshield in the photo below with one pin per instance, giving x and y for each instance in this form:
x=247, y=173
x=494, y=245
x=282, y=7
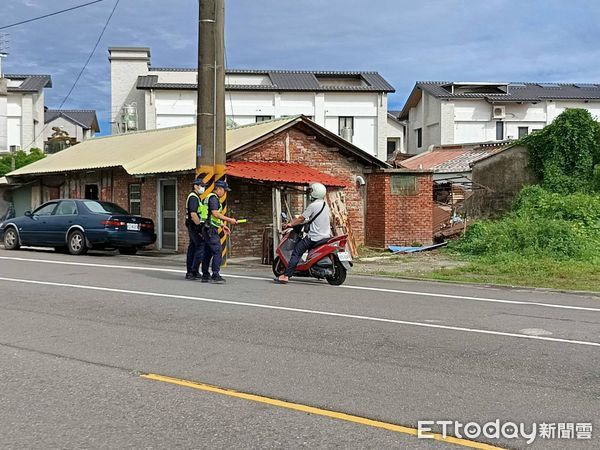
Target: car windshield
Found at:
x=103, y=207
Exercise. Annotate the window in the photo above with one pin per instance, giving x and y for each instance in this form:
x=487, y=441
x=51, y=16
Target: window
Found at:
x=66, y=208
x=419, y=132
x=103, y=207
x=499, y=131
x=523, y=131
x=45, y=210
x=391, y=148
x=346, y=128
x=135, y=199
x=263, y=118
x=404, y=185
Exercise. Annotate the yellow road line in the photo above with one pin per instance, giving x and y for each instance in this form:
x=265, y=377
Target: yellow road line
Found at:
x=316, y=411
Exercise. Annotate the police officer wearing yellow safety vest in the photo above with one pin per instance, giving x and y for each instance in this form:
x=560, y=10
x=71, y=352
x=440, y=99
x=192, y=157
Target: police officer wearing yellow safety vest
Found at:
x=212, y=249
x=196, y=214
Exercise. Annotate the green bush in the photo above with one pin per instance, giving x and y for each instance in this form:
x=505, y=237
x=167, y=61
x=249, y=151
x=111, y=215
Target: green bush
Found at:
x=544, y=224
x=565, y=152
x=516, y=234
x=22, y=158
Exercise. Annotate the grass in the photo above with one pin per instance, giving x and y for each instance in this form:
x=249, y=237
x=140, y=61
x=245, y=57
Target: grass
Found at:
x=513, y=270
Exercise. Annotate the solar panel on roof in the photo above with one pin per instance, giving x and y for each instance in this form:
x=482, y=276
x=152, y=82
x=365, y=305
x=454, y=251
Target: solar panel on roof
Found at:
x=549, y=85
x=585, y=85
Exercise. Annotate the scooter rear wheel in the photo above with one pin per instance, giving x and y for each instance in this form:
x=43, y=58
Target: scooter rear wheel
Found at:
x=339, y=273
x=278, y=267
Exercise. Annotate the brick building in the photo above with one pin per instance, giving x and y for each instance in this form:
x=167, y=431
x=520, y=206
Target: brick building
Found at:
x=269, y=166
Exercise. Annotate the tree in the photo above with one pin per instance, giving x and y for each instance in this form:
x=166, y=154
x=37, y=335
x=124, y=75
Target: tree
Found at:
x=565, y=153
x=21, y=157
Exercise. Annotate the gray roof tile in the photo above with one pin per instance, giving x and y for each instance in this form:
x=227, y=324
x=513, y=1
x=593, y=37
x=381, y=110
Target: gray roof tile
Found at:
x=519, y=92
x=86, y=118
x=31, y=83
x=282, y=80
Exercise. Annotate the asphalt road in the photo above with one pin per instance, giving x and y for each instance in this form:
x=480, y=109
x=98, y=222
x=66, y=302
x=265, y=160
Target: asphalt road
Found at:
x=78, y=333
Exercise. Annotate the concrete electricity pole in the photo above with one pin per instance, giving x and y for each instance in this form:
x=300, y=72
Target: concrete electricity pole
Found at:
x=210, y=120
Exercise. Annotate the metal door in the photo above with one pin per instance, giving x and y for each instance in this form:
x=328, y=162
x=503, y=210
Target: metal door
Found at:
x=168, y=215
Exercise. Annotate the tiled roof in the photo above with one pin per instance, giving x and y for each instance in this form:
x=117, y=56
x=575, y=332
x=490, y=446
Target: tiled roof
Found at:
x=291, y=173
x=517, y=91
x=501, y=92
x=31, y=83
x=453, y=158
x=86, y=118
x=282, y=80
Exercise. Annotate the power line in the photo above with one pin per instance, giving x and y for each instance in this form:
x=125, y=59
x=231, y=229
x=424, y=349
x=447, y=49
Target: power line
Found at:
x=49, y=15
x=91, y=54
x=83, y=68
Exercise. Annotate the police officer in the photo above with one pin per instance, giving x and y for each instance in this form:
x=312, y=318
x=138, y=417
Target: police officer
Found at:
x=212, y=249
x=196, y=214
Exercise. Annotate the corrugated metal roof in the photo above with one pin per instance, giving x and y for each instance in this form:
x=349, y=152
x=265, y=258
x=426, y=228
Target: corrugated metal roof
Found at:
x=31, y=83
x=162, y=151
x=451, y=159
x=86, y=118
x=282, y=80
x=292, y=173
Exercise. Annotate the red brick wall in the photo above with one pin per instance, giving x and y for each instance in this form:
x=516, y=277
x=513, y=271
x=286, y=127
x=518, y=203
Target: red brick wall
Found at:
x=395, y=219
x=315, y=154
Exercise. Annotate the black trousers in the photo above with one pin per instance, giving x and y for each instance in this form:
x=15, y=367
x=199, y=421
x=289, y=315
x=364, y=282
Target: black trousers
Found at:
x=195, y=251
x=212, y=251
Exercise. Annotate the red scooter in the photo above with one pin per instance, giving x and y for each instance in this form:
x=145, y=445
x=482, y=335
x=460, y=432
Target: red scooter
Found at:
x=327, y=260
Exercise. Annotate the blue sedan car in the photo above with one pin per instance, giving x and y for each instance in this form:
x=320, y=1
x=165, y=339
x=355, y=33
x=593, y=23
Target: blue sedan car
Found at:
x=76, y=226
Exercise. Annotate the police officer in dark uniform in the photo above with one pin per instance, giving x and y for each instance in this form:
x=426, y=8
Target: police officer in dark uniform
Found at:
x=196, y=214
x=212, y=241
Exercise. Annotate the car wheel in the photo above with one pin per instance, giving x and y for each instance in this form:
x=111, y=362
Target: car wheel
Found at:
x=11, y=239
x=76, y=243
x=128, y=251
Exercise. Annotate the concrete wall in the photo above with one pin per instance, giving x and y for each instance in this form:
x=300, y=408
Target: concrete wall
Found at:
x=125, y=67
x=3, y=116
x=498, y=179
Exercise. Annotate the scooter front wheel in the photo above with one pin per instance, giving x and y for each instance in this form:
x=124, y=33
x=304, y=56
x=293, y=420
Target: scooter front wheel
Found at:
x=278, y=267
x=339, y=273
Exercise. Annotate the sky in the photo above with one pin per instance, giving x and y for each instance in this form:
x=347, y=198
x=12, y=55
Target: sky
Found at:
x=405, y=41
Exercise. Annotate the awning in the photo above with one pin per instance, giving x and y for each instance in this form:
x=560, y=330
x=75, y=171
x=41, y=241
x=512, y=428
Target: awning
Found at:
x=289, y=173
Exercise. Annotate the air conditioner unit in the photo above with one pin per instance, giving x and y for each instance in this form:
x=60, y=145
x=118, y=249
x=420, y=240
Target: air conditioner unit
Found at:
x=15, y=148
x=499, y=112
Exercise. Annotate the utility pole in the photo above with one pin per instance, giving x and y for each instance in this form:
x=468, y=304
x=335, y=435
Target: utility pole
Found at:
x=210, y=118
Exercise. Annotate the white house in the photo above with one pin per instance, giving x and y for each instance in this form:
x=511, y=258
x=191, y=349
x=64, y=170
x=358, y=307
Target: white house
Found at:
x=442, y=113
x=22, y=111
x=350, y=104
x=81, y=124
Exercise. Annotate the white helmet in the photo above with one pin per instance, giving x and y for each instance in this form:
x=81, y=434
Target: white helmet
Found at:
x=317, y=191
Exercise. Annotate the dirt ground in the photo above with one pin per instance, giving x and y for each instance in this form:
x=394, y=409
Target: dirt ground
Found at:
x=412, y=264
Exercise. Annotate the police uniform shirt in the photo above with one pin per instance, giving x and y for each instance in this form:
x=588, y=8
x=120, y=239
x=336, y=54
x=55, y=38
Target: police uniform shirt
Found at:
x=192, y=206
x=213, y=204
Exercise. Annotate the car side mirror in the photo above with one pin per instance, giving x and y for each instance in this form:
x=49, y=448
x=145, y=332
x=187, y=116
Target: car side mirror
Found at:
x=28, y=214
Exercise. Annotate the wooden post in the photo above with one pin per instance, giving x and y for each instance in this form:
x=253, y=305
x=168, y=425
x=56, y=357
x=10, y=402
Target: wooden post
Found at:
x=276, y=196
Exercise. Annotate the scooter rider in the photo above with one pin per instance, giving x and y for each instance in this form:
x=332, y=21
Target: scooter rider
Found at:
x=317, y=214
x=211, y=233
x=196, y=214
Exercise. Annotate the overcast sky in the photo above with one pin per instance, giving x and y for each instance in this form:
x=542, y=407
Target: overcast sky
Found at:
x=405, y=41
